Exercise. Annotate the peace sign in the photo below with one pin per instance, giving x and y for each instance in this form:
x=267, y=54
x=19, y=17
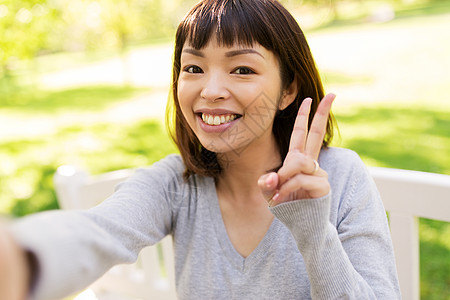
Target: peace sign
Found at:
x=300, y=176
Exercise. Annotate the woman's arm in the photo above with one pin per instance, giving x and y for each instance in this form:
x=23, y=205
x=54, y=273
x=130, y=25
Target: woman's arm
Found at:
x=344, y=239
x=74, y=248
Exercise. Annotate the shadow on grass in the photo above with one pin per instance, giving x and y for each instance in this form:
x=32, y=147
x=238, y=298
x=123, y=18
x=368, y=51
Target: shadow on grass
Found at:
x=91, y=98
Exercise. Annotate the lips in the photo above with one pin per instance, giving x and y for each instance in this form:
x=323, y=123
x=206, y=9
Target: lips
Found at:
x=216, y=120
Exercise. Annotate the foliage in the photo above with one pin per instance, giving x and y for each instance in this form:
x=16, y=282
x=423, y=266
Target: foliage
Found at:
x=26, y=27
x=33, y=28
x=115, y=23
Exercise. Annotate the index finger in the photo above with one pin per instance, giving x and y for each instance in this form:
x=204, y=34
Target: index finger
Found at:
x=300, y=130
x=318, y=128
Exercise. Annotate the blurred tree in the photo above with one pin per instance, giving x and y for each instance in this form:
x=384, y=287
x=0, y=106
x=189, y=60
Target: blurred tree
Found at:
x=112, y=25
x=331, y=4
x=32, y=27
x=126, y=21
x=25, y=29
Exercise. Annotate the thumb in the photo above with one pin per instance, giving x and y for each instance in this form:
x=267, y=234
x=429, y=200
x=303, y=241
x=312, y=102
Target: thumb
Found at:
x=268, y=184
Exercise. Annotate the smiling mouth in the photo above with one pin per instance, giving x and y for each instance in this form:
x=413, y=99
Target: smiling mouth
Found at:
x=216, y=120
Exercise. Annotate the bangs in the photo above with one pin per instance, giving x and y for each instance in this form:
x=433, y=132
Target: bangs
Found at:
x=228, y=21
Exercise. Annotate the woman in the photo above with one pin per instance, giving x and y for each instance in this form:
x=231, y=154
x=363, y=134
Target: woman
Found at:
x=258, y=205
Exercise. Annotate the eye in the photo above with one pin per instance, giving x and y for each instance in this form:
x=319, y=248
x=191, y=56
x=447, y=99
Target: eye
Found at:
x=243, y=71
x=193, y=69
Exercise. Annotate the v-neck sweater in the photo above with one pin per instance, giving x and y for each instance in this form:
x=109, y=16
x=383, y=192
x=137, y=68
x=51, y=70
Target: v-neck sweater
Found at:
x=334, y=247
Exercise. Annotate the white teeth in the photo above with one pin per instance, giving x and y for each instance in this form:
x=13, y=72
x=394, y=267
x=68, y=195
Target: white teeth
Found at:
x=217, y=119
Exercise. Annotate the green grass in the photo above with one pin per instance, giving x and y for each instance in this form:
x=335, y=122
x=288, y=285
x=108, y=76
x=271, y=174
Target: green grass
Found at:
x=434, y=262
x=25, y=99
x=413, y=137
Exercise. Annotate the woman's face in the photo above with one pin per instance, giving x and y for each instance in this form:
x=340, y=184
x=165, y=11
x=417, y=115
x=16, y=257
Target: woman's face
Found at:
x=229, y=95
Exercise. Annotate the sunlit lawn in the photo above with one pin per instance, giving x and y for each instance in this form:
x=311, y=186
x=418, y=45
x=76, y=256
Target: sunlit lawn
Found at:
x=410, y=136
x=34, y=101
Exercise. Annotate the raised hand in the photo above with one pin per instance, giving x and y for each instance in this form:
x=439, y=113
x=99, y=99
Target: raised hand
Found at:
x=300, y=176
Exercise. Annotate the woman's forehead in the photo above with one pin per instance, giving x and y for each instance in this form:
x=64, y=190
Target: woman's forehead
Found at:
x=215, y=50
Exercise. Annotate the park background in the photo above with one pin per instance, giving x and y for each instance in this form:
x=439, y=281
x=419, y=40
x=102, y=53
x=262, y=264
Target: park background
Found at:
x=85, y=83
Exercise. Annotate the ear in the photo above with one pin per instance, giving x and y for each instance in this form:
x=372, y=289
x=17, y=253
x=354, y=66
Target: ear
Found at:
x=289, y=95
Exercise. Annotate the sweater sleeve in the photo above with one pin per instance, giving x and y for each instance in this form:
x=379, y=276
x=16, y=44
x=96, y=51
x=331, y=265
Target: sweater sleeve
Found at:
x=344, y=239
x=74, y=248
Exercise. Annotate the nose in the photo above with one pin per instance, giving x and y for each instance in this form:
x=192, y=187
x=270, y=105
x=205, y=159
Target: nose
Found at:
x=215, y=88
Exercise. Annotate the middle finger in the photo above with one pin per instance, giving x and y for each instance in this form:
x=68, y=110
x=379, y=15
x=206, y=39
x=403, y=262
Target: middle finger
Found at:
x=318, y=128
x=300, y=131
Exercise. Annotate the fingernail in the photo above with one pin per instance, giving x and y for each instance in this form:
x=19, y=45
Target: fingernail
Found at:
x=269, y=181
x=275, y=197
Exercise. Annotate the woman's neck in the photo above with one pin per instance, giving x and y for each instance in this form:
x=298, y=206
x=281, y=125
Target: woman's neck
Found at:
x=241, y=171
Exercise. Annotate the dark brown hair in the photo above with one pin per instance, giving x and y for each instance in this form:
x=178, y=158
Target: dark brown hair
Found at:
x=245, y=22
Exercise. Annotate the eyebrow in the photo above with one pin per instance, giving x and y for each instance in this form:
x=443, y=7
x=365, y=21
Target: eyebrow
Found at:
x=193, y=52
x=242, y=51
x=227, y=54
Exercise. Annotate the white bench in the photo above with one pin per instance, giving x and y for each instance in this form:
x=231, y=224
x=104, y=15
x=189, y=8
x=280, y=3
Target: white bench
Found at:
x=406, y=195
